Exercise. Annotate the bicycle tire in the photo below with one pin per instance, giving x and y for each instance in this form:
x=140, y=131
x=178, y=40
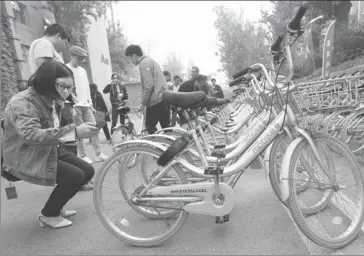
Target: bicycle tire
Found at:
x=146, y=242
x=274, y=173
x=295, y=207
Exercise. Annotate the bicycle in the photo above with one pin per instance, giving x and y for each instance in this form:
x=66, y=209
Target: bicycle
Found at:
x=218, y=198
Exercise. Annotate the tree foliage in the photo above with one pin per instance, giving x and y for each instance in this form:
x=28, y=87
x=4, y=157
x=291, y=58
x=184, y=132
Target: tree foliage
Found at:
x=8, y=69
x=284, y=11
x=73, y=16
x=241, y=43
x=174, y=65
x=117, y=45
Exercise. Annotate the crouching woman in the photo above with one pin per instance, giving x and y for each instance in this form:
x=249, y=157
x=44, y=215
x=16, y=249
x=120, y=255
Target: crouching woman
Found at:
x=32, y=149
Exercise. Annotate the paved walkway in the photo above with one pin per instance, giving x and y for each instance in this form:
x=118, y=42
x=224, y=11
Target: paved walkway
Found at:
x=258, y=225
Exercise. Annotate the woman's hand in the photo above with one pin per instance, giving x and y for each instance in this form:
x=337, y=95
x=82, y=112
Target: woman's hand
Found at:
x=87, y=130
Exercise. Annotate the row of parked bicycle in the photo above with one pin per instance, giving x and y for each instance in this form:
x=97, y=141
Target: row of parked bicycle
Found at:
x=307, y=136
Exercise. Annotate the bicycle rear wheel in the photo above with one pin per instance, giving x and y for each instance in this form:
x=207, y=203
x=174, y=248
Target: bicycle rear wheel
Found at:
x=336, y=210
x=141, y=224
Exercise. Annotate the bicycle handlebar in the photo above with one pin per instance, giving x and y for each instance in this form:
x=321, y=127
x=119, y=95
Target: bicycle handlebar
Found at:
x=293, y=28
x=244, y=72
x=236, y=81
x=295, y=24
x=276, y=46
x=241, y=73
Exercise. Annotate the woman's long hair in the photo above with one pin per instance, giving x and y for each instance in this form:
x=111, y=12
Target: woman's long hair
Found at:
x=44, y=79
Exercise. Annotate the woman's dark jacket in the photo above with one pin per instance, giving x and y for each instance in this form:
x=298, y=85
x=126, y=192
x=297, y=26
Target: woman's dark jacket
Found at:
x=111, y=88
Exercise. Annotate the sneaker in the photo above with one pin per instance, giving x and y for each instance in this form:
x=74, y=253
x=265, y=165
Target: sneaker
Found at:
x=101, y=157
x=87, y=159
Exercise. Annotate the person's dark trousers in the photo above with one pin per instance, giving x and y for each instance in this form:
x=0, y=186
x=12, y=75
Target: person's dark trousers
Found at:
x=114, y=117
x=154, y=114
x=72, y=174
x=107, y=132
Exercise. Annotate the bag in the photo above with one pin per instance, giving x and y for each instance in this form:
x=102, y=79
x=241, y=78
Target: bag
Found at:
x=6, y=175
x=99, y=115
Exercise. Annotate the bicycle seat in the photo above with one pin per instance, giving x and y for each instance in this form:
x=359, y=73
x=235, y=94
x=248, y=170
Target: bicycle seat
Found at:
x=185, y=99
x=211, y=102
x=124, y=110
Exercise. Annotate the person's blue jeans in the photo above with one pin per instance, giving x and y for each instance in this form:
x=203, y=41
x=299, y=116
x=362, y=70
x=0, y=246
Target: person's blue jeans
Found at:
x=84, y=115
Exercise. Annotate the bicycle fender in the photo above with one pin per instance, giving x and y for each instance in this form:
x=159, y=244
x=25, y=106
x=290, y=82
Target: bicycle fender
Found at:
x=172, y=129
x=284, y=186
x=150, y=143
x=152, y=136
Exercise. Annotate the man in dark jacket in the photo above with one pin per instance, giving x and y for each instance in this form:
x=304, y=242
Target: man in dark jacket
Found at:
x=114, y=88
x=196, y=83
x=99, y=104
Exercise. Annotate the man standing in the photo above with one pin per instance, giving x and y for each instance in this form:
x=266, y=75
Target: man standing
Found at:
x=84, y=112
x=167, y=75
x=217, y=91
x=175, y=87
x=153, y=85
x=42, y=49
x=176, y=83
x=195, y=71
x=189, y=85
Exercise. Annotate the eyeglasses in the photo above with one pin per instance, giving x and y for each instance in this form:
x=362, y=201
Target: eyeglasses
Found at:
x=81, y=57
x=64, y=87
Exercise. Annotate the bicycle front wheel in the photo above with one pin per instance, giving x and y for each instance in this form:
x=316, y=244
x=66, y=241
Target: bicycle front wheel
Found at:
x=334, y=197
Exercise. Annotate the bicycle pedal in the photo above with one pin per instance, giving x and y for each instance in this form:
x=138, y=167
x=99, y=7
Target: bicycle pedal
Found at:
x=218, y=220
x=218, y=153
x=226, y=217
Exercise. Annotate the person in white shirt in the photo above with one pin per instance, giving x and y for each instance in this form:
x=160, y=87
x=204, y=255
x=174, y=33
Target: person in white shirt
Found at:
x=84, y=112
x=42, y=49
x=167, y=75
x=177, y=81
x=175, y=86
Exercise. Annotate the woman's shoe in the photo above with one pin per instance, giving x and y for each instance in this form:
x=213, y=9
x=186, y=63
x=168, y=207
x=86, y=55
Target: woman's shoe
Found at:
x=88, y=186
x=66, y=214
x=53, y=222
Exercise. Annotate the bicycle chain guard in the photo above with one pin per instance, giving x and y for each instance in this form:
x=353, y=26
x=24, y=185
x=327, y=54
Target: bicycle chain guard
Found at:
x=205, y=191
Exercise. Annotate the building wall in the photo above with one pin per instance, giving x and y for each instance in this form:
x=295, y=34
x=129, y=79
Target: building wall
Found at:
x=357, y=10
x=25, y=31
